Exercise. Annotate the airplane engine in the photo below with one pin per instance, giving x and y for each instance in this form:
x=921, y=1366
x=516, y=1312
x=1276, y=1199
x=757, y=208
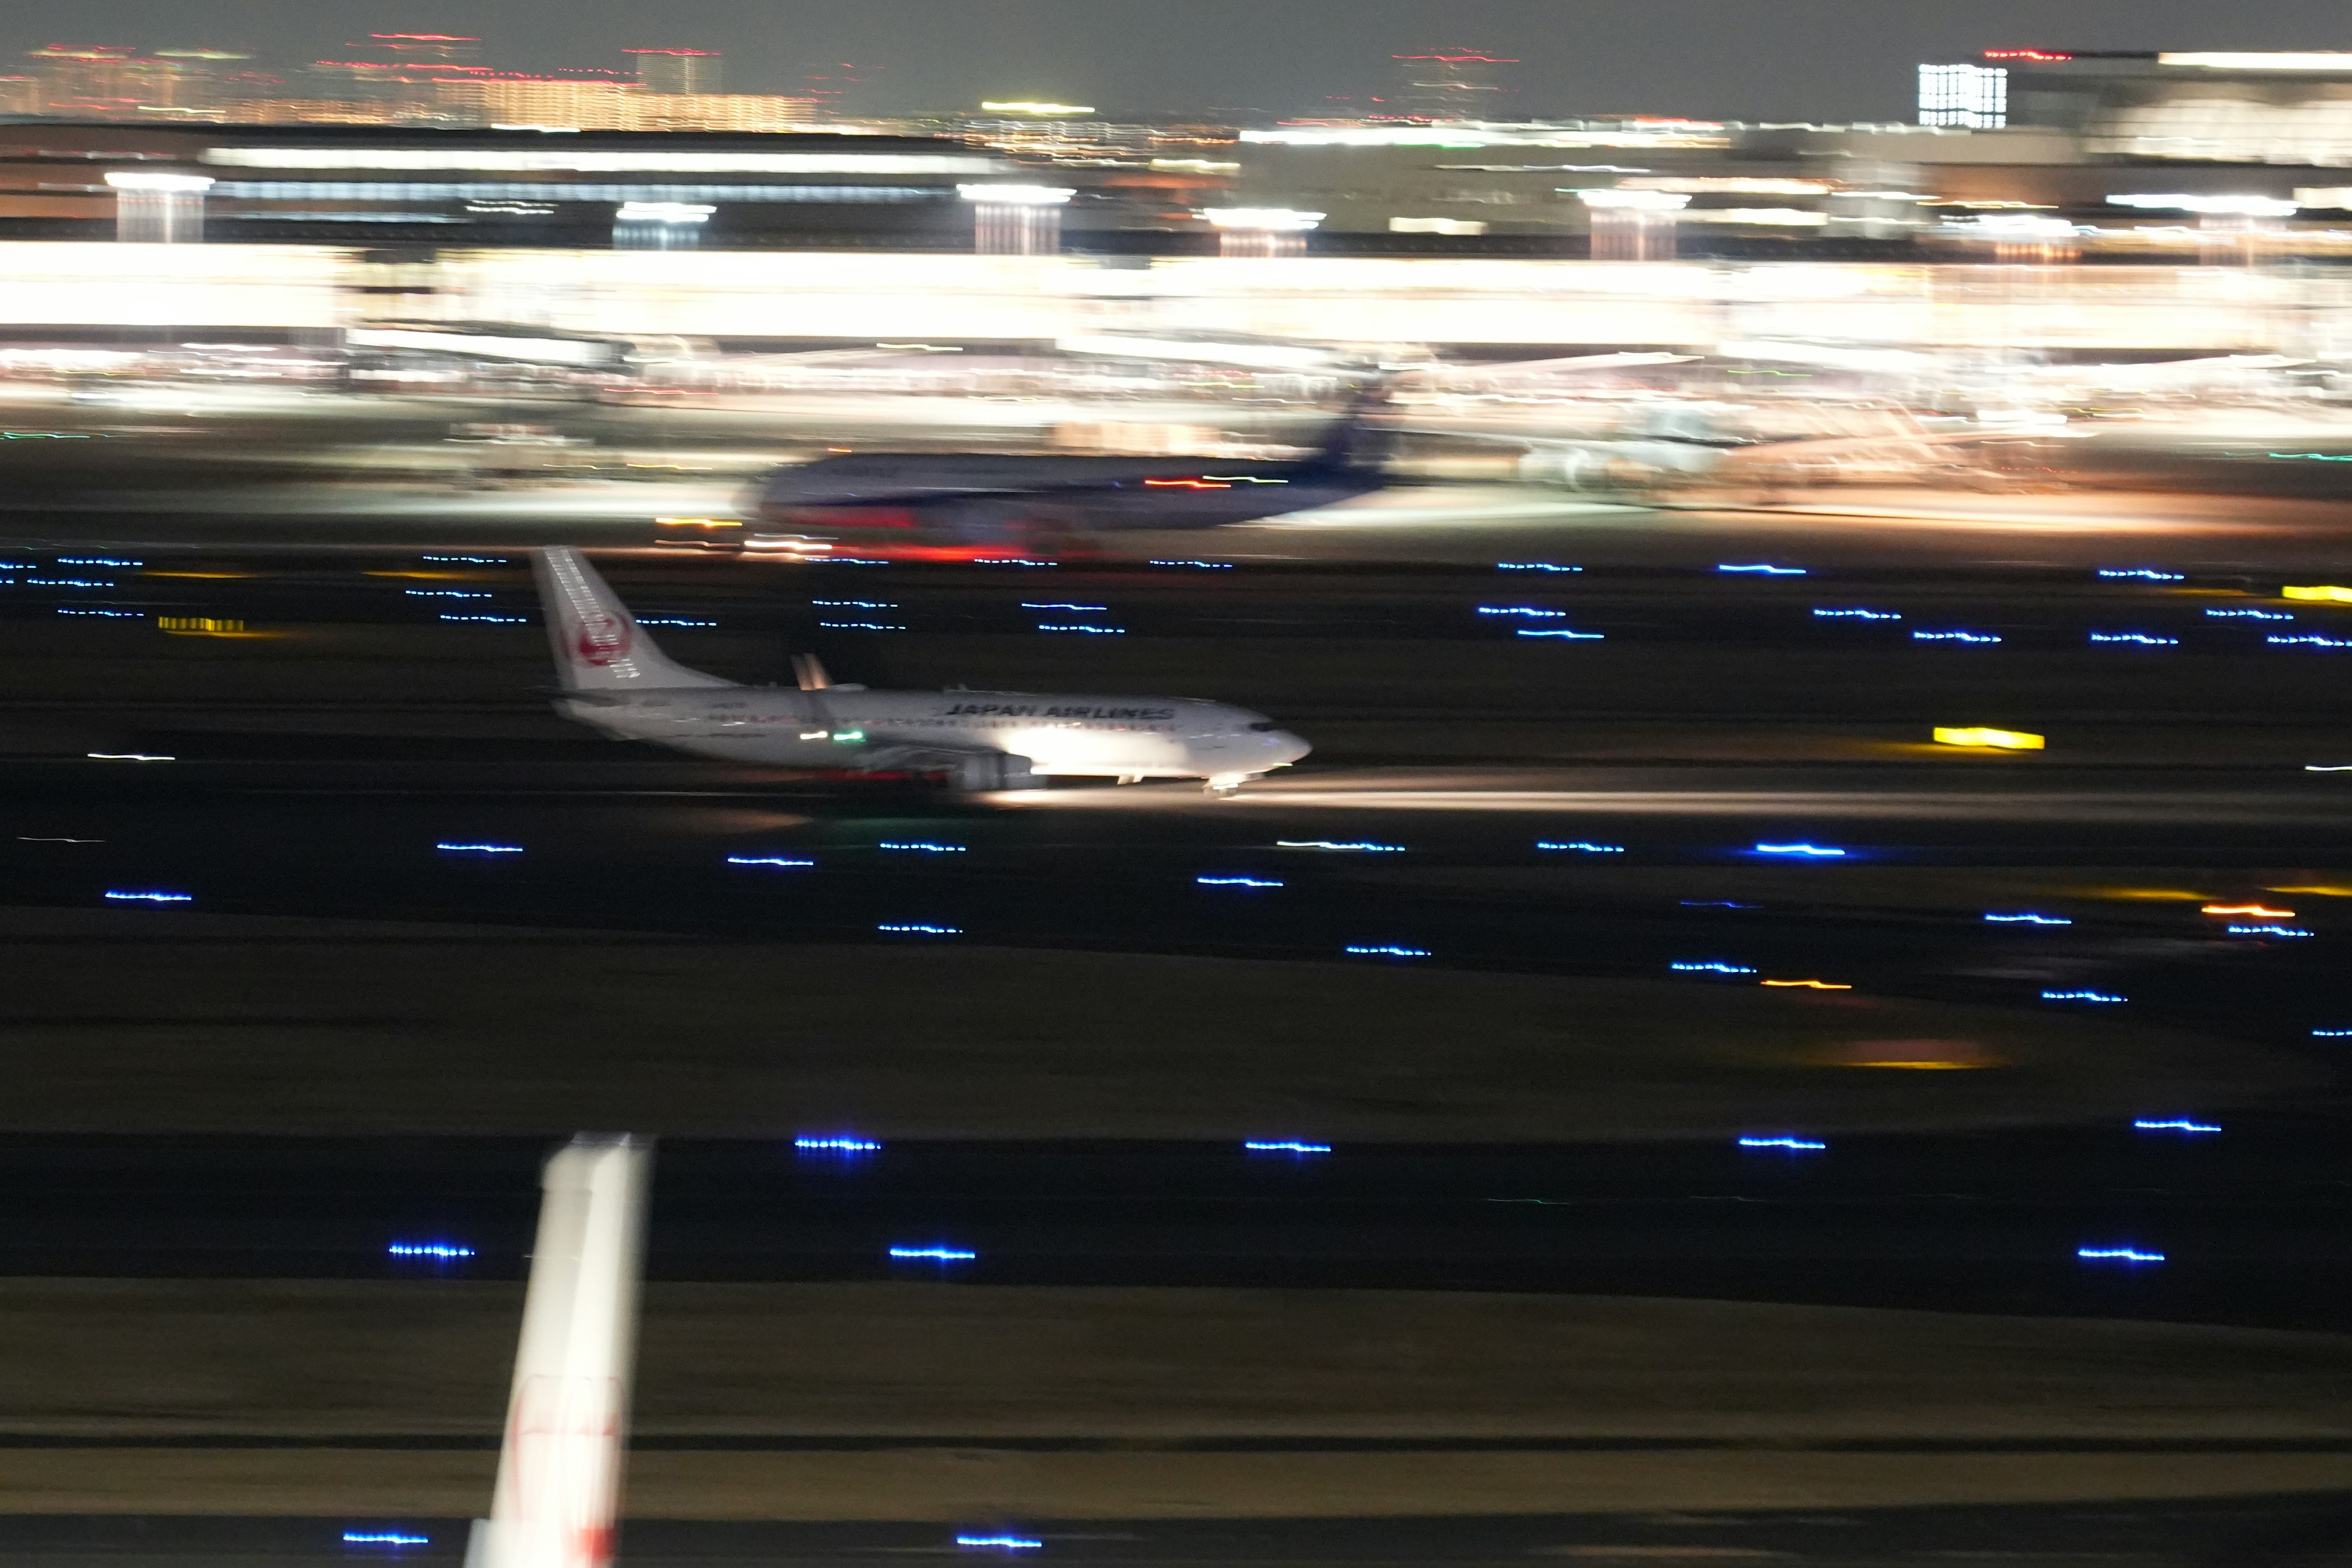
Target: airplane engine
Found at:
x=994, y=771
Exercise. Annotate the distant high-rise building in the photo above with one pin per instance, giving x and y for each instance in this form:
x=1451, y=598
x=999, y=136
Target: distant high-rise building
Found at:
x=1451, y=84
x=678, y=70
x=1976, y=96
x=399, y=71
x=85, y=80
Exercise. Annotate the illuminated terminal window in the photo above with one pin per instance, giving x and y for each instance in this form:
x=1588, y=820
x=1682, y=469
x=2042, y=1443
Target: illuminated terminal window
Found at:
x=1974, y=97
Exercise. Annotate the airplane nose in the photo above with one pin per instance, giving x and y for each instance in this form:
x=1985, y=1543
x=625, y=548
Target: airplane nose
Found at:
x=1286, y=747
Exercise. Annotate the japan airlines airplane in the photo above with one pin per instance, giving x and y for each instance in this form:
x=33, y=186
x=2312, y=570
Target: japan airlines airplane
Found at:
x=617, y=680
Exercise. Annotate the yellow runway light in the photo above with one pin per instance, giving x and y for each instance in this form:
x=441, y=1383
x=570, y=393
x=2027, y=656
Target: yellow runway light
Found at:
x=2323, y=891
x=2150, y=895
x=207, y=627
x=1807, y=985
x=1995, y=740
x=2326, y=593
x=203, y=576
x=2247, y=909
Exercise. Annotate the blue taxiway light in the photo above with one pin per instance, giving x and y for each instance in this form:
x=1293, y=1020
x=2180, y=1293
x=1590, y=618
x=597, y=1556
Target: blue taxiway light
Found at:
x=2125, y=1255
x=129, y=757
x=1580, y=847
x=2144, y=639
x=917, y=929
x=777, y=860
x=674, y=621
x=1533, y=566
x=1199, y=565
x=1010, y=561
x=1806, y=851
x=1856, y=615
x=1284, y=1146
x=454, y=848
x=1793, y=1145
x=126, y=896
x=2309, y=639
x=922, y=847
x=1236, y=882
x=847, y=561
x=490, y=620
x=838, y=1145
x=1527, y=610
x=2181, y=1125
x=2145, y=574
x=2093, y=997
x=1085, y=630
x=2248, y=615
x=1564, y=636
x=1075, y=609
x=439, y=1251
x=469, y=559
x=2266, y=931
x=1341, y=846
x=932, y=1254
x=95, y=561
x=853, y=604
x=999, y=1543
x=1714, y=904
x=390, y=1538
x=859, y=626
x=1711, y=966
x=1954, y=637
x=110, y=615
x=1764, y=570
x=2028, y=918
x=1387, y=951
x=443, y=594
x=2330, y=1034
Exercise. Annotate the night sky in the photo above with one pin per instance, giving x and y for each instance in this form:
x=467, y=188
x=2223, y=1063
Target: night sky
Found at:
x=1746, y=58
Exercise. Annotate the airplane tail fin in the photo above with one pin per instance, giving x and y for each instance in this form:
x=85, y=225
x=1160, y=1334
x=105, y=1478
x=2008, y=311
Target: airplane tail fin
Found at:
x=1353, y=441
x=599, y=647
x=559, y=1481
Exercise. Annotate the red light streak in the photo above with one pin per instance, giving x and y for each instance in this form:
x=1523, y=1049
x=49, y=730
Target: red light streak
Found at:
x=2023, y=55
x=1189, y=484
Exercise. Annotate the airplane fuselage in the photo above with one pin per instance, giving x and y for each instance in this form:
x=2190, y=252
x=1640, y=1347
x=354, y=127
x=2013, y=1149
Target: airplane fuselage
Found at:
x=1106, y=493
x=1077, y=736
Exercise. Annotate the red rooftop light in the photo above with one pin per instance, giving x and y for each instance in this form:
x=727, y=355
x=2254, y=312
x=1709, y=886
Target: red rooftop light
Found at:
x=2024, y=55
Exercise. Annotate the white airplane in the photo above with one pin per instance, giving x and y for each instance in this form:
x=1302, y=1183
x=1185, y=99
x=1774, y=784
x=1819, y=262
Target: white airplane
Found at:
x=617, y=680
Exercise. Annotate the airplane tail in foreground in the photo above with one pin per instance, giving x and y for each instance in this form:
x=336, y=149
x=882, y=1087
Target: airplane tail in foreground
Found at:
x=559, y=1482
x=599, y=647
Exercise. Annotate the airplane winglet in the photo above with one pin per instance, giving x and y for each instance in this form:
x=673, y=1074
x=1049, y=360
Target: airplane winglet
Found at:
x=559, y=1483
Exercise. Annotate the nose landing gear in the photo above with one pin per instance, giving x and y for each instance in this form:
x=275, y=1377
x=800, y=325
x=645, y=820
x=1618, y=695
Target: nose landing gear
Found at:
x=1225, y=785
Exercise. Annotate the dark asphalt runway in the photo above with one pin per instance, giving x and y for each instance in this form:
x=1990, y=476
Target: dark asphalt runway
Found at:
x=2309, y=1530
x=322, y=756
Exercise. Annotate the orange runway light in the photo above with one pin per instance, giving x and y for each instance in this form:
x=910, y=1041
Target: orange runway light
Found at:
x=1807, y=985
x=2247, y=909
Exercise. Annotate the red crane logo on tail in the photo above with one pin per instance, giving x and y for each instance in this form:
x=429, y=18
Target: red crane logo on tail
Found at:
x=604, y=640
